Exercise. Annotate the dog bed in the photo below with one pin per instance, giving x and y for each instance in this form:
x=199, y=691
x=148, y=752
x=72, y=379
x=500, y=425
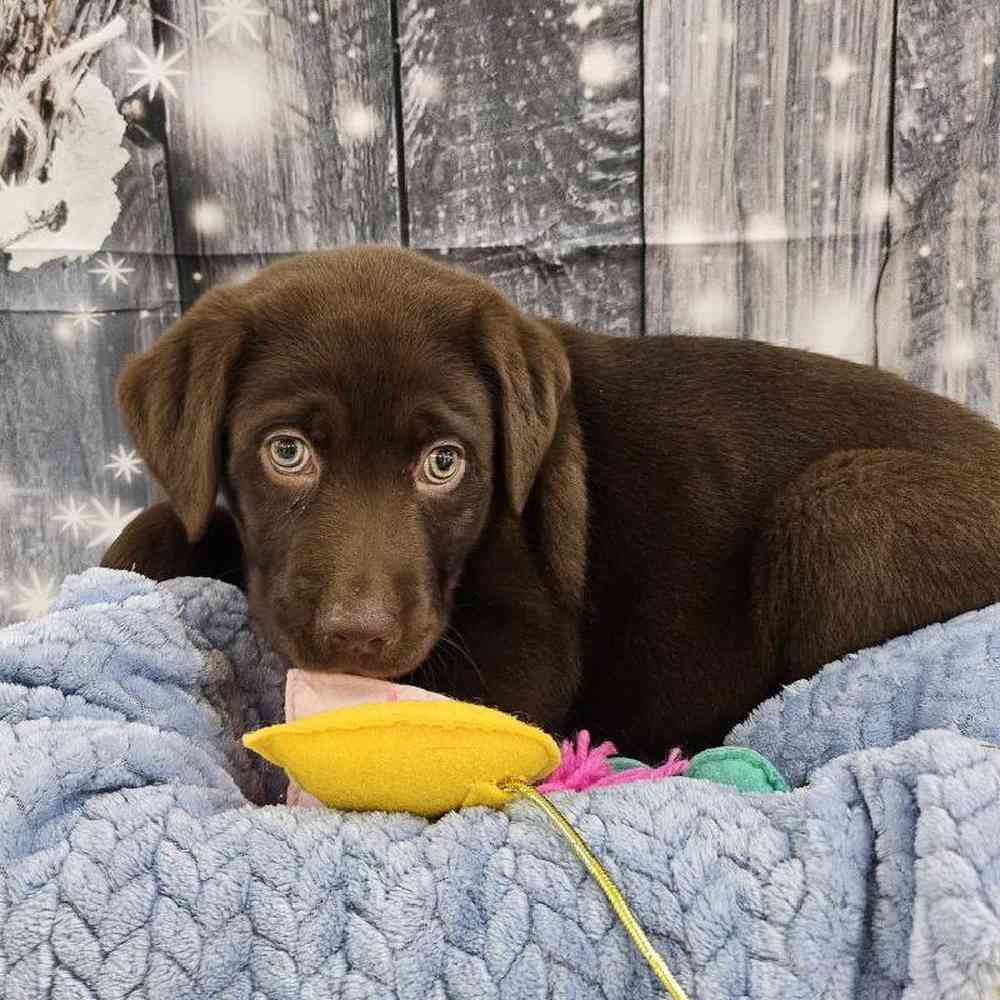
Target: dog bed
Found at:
x=138, y=859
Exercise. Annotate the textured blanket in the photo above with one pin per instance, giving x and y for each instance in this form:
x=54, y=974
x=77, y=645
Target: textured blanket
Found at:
x=137, y=863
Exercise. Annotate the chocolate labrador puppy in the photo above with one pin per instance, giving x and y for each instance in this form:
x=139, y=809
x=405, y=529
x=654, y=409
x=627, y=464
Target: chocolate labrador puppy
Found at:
x=646, y=537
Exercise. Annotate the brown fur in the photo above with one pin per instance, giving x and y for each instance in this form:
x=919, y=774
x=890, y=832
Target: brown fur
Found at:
x=653, y=536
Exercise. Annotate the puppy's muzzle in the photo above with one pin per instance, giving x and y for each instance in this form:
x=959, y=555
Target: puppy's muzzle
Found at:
x=365, y=627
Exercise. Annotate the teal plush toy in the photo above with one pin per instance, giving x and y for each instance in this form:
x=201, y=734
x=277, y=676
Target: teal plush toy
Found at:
x=742, y=768
x=746, y=770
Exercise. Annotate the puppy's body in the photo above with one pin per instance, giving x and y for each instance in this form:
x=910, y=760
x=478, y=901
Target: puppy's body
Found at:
x=650, y=536
x=748, y=525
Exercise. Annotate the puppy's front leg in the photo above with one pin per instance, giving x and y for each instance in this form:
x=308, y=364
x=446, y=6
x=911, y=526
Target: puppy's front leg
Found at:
x=156, y=545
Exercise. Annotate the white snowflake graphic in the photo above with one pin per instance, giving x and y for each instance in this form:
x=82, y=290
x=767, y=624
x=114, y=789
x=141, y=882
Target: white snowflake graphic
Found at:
x=583, y=16
x=64, y=330
x=36, y=596
x=156, y=72
x=17, y=111
x=958, y=351
x=208, y=217
x=765, y=228
x=838, y=324
x=235, y=97
x=235, y=16
x=839, y=70
x=426, y=84
x=686, y=231
x=713, y=311
x=242, y=275
x=878, y=203
x=603, y=65
x=720, y=33
x=841, y=142
x=125, y=464
x=110, y=523
x=85, y=316
x=112, y=271
x=72, y=517
x=357, y=121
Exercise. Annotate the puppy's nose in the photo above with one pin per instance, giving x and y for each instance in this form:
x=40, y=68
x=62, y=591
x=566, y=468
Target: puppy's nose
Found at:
x=366, y=627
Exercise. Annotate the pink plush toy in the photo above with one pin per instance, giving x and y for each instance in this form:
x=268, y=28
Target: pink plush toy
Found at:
x=583, y=767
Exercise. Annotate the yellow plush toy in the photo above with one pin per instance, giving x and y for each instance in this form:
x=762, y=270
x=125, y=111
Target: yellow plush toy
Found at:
x=394, y=747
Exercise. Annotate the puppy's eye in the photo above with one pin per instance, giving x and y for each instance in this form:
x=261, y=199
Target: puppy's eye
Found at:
x=443, y=465
x=288, y=453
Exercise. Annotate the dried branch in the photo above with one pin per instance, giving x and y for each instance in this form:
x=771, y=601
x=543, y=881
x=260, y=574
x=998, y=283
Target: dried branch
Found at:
x=41, y=66
x=53, y=219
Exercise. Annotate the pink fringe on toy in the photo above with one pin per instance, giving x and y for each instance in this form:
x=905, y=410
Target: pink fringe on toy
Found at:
x=582, y=767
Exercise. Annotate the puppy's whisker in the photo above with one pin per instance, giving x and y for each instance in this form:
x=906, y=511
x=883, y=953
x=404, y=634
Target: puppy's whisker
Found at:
x=459, y=643
x=429, y=664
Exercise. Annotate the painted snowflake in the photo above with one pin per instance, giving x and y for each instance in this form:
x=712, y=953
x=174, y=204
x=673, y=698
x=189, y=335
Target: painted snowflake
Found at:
x=112, y=271
x=72, y=517
x=155, y=72
x=125, y=464
x=234, y=16
x=109, y=523
x=85, y=317
x=36, y=595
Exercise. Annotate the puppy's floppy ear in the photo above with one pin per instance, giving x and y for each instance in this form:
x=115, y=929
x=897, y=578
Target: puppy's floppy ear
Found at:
x=532, y=373
x=173, y=397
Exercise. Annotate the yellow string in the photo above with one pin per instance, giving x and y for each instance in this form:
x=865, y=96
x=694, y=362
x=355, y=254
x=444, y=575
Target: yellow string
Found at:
x=603, y=879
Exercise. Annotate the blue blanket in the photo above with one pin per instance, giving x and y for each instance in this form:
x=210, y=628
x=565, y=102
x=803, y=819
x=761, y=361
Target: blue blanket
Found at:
x=136, y=864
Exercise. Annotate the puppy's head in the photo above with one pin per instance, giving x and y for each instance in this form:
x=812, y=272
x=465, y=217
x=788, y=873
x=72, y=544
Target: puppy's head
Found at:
x=365, y=412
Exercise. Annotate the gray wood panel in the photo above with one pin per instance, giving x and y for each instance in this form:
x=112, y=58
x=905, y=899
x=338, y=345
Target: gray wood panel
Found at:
x=63, y=438
x=282, y=134
x=939, y=307
x=766, y=169
x=61, y=450
x=522, y=136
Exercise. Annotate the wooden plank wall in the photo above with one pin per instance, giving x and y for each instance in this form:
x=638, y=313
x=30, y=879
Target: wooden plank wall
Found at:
x=282, y=142
x=819, y=173
x=766, y=169
x=939, y=310
x=522, y=139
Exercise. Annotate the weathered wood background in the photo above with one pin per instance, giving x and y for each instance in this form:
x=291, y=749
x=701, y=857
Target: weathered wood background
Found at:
x=820, y=173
